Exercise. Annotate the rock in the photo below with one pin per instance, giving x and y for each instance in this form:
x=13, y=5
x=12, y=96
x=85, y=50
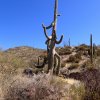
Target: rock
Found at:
x=28, y=71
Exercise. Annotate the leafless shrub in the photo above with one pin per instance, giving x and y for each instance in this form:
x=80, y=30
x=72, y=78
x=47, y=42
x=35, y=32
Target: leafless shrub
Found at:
x=73, y=66
x=43, y=87
x=75, y=58
x=64, y=50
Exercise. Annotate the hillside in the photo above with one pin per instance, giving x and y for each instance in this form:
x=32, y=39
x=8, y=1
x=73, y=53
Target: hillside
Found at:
x=26, y=53
x=75, y=68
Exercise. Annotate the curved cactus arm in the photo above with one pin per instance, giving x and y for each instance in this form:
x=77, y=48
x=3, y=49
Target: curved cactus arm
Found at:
x=45, y=32
x=58, y=42
x=48, y=27
x=39, y=66
x=51, y=25
x=42, y=65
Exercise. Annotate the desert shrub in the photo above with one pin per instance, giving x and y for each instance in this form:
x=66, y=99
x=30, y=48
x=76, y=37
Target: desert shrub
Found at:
x=91, y=80
x=71, y=59
x=18, y=62
x=85, y=64
x=43, y=87
x=97, y=63
x=44, y=54
x=10, y=64
x=64, y=51
x=73, y=66
x=98, y=52
x=86, y=53
x=78, y=56
x=12, y=60
x=75, y=58
x=88, y=65
x=63, y=64
x=82, y=47
x=79, y=90
x=3, y=58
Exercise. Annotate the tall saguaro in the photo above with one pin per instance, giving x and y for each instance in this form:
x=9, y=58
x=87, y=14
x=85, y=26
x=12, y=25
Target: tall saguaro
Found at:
x=53, y=57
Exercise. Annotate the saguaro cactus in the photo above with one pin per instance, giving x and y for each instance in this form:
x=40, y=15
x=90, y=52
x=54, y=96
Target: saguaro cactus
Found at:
x=51, y=41
x=94, y=49
x=91, y=49
x=69, y=42
x=52, y=56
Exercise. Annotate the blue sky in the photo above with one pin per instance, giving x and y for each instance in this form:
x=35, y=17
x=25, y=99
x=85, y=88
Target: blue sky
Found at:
x=20, y=21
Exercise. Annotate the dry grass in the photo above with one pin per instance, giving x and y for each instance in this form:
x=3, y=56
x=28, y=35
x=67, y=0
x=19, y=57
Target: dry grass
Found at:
x=16, y=86
x=63, y=64
x=64, y=51
x=98, y=52
x=82, y=47
x=75, y=58
x=43, y=87
x=73, y=66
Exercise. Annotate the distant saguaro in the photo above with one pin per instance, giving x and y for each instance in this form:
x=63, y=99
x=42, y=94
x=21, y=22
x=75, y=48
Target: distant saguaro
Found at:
x=69, y=42
x=91, y=49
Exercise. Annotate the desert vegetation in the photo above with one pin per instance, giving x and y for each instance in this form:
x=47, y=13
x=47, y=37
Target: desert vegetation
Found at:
x=57, y=73
x=76, y=81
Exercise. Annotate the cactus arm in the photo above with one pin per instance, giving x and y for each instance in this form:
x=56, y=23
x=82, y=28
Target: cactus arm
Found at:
x=39, y=66
x=45, y=32
x=48, y=27
x=51, y=25
x=42, y=65
x=58, y=42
